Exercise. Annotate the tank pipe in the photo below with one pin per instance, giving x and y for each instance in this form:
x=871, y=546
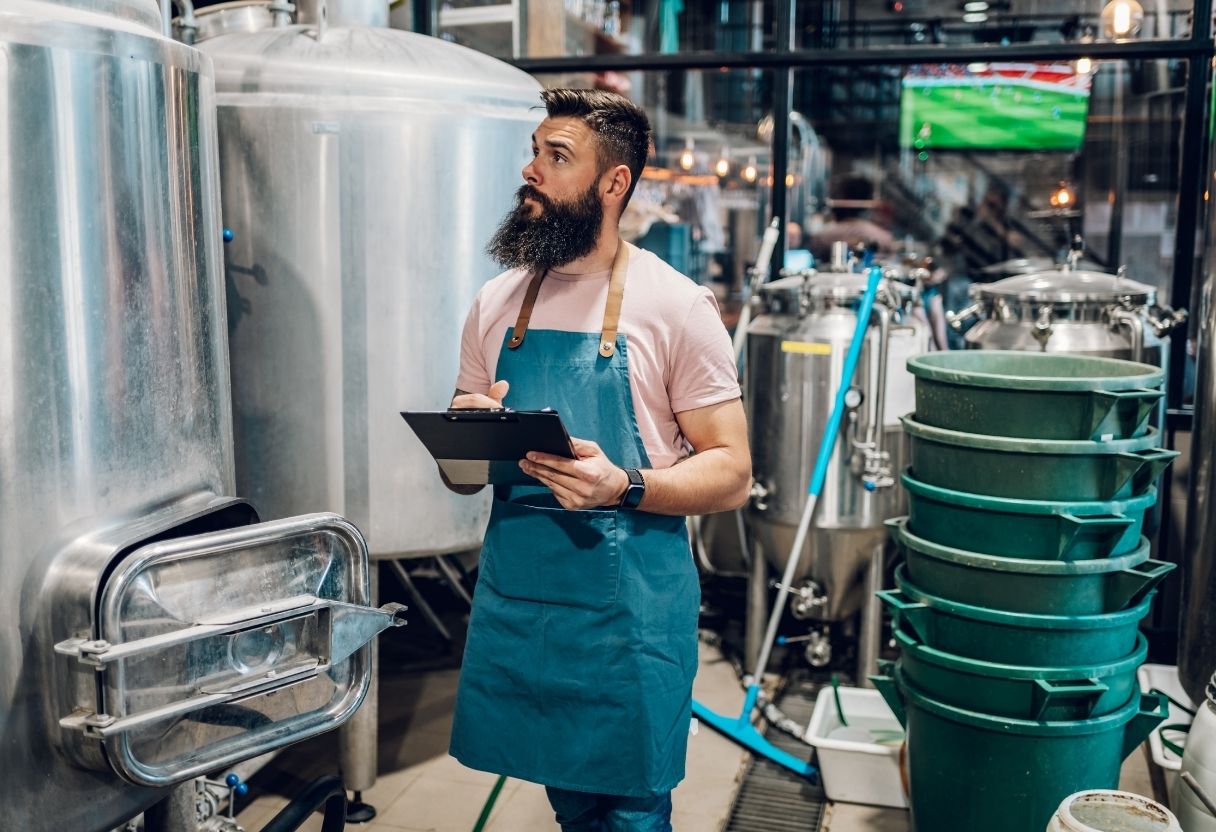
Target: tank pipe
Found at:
x=874, y=433
x=166, y=18
x=826, y=447
x=1129, y=319
x=187, y=22
x=326, y=791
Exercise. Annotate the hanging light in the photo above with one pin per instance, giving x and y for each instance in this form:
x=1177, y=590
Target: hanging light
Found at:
x=722, y=166
x=750, y=172
x=1122, y=18
x=686, y=158
x=1063, y=196
x=1084, y=66
x=789, y=180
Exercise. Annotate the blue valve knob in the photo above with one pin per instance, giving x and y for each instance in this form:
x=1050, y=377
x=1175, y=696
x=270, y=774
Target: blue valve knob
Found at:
x=781, y=641
x=241, y=789
x=232, y=780
x=228, y=235
x=869, y=486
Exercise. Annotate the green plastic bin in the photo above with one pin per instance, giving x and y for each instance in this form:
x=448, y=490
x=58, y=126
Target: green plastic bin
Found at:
x=1039, y=529
x=1035, y=395
x=1012, y=637
x=1035, y=469
x=1020, y=691
x=1041, y=587
x=972, y=772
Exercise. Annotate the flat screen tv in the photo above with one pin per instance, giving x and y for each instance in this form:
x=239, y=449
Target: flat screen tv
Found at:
x=994, y=106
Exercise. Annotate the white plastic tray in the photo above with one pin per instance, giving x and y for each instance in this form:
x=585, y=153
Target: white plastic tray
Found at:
x=852, y=771
x=1164, y=677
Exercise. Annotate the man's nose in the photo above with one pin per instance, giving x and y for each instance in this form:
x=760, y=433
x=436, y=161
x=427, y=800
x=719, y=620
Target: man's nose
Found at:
x=530, y=174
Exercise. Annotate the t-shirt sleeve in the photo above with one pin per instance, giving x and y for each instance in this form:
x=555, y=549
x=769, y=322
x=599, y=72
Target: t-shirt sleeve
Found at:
x=474, y=377
x=703, y=370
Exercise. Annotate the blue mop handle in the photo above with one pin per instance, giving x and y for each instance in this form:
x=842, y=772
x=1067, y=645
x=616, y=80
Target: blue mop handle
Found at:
x=846, y=379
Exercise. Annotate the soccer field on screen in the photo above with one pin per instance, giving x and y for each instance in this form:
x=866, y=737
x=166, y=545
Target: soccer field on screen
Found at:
x=992, y=116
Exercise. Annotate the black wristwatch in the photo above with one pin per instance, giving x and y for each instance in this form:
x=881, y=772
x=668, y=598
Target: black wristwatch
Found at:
x=635, y=491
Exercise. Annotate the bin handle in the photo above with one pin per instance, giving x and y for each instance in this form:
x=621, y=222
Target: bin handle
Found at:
x=1141, y=468
x=1085, y=692
x=1130, y=407
x=914, y=613
x=1102, y=529
x=1154, y=710
x=1129, y=586
x=894, y=697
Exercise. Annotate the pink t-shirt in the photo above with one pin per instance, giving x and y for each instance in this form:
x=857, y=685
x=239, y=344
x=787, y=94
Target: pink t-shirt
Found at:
x=680, y=355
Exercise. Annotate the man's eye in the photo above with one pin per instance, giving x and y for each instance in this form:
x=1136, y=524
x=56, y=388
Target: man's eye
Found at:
x=557, y=157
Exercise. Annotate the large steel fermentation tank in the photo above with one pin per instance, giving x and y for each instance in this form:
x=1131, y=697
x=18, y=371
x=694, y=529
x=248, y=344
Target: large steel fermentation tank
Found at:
x=795, y=357
x=363, y=171
x=151, y=629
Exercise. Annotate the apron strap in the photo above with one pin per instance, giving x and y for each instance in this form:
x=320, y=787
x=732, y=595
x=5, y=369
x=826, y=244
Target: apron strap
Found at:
x=525, y=311
x=612, y=308
x=616, y=292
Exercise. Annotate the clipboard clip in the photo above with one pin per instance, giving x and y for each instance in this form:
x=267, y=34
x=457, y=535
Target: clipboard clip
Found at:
x=488, y=414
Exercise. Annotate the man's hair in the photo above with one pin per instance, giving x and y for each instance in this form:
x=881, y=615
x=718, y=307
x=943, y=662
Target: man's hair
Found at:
x=621, y=128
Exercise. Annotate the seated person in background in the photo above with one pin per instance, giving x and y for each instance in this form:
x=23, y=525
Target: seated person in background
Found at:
x=851, y=199
x=797, y=257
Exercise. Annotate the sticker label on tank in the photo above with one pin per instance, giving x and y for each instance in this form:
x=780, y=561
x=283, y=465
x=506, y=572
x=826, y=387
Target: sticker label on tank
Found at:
x=806, y=347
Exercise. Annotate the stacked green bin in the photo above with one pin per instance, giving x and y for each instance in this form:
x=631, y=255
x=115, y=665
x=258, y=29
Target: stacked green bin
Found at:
x=1025, y=577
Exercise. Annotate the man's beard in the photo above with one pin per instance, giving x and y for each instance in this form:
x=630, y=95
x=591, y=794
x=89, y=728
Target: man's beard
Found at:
x=561, y=233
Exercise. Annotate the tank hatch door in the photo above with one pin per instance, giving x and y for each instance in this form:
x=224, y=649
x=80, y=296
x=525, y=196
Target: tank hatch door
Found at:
x=218, y=647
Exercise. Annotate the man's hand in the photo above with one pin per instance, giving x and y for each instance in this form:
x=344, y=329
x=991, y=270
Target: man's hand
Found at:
x=476, y=401
x=590, y=481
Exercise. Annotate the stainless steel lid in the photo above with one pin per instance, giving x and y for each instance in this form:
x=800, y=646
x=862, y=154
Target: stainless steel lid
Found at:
x=236, y=16
x=144, y=13
x=845, y=286
x=1065, y=286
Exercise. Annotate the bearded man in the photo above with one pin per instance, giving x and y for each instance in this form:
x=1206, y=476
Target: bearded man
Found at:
x=582, y=645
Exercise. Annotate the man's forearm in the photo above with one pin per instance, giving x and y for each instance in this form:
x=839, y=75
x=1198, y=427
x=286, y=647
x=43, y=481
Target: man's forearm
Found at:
x=712, y=480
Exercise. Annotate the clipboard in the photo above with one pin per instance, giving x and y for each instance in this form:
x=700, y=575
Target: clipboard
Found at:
x=483, y=447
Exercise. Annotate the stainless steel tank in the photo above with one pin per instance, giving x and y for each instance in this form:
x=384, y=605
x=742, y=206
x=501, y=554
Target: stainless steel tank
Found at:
x=796, y=349
x=1074, y=311
x=364, y=170
x=150, y=628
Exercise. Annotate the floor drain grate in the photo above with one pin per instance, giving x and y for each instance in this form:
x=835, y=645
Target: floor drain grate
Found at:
x=772, y=798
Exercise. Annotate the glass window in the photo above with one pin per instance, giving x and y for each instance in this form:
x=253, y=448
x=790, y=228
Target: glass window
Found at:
x=866, y=23
x=992, y=169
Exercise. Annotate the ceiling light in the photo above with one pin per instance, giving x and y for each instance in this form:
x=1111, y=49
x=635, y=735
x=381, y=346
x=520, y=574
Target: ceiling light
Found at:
x=1122, y=18
x=975, y=7
x=686, y=158
x=722, y=166
x=1084, y=66
x=750, y=172
x=975, y=17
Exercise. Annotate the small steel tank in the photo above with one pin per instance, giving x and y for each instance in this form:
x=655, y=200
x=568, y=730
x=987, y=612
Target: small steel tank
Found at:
x=151, y=629
x=1067, y=310
x=796, y=349
x=364, y=170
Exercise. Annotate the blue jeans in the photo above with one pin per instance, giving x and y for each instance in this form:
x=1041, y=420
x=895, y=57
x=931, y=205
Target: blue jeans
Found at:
x=586, y=812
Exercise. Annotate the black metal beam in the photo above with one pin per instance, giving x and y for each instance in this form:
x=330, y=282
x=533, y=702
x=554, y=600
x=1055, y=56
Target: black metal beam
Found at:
x=876, y=56
x=424, y=17
x=783, y=102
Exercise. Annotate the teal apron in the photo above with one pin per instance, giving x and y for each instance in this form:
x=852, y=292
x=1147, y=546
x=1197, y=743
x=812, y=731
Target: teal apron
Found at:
x=582, y=645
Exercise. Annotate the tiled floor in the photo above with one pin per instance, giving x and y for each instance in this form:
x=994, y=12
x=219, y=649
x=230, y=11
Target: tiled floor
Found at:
x=422, y=789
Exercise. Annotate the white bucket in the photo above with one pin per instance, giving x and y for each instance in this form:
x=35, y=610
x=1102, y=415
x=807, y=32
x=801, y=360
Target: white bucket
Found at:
x=1200, y=761
x=858, y=763
x=1103, y=810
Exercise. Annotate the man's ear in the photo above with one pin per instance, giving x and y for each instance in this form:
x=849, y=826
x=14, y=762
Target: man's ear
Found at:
x=617, y=181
